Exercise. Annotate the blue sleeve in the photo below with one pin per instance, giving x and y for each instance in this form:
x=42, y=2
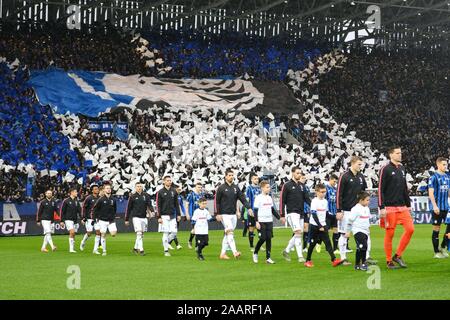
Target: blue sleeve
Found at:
x=183, y=209
x=432, y=182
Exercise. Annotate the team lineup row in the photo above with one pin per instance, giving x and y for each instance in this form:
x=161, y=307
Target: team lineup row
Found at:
x=340, y=206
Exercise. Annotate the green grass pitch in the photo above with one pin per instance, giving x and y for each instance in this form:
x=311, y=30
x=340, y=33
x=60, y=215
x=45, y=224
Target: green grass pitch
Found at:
x=29, y=274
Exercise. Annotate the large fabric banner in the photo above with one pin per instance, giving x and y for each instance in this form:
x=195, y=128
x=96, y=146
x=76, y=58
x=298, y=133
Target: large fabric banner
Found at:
x=92, y=93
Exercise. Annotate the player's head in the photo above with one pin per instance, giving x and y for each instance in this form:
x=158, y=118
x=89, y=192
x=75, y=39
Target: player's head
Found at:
x=303, y=178
x=73, y=192
x=49, y=194
x=320, y=190
x=296, y=173
x=107, y=189
x=198, y=187
x=229, y=176
x=254, y=179
x=101, y=191
x=265, y=187
x=395, y=154
x=202, y=203
x=356, y=163
x=139, y=187
x=442, y=164
x=95, y=190
x=364, y=198
x=333, y=179
x=178, y=188
x=167, y=181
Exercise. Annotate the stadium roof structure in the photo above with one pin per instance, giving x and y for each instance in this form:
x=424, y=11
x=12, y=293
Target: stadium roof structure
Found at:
x=390, y=23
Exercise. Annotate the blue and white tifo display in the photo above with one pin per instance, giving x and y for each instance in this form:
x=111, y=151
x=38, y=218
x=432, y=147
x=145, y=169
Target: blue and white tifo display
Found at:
x=92, y=93
x=19, y=219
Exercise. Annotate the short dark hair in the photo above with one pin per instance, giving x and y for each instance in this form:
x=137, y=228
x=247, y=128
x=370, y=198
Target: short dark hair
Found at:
x=363, y=195
x=73, y=189
x=320, y=186
x=202, y=200
x=93, y=186
x=295, y=168
x=252, y=174
x=392, y=149
x=333, y=176
x=199, y=184
x=228, y=170
x=165, y=177
x=440, y=159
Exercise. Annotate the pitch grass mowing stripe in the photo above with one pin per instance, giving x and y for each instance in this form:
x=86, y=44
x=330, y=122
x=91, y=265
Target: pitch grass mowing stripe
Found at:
x=29, y=274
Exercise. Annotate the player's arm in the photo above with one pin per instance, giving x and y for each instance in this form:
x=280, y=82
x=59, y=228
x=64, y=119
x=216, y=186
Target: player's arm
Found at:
x=83, y=209
x=158, y=205
x=340, y=193
x=217, y=200
x=39, y=212
x=431, y=185
x=129, y=208
x=62, y=211
x=182, y=207
x=96, y=209
x=381, y=190
x=244, y=201
x=188, y=205
x=177, y=207
x=283, y=197
x=306, y=197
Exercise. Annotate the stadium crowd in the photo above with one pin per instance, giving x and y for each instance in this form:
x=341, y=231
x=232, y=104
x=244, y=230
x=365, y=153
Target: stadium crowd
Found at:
x=394, y=98
x=186, y=143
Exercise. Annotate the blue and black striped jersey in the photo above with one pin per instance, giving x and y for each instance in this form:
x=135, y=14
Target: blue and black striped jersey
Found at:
x=440, y=183
x=331, y=198
x=251, y=193
x=192, y=200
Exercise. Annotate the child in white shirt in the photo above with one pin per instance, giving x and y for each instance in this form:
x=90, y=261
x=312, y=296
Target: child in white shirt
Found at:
x=358, y=223
x=201, y=217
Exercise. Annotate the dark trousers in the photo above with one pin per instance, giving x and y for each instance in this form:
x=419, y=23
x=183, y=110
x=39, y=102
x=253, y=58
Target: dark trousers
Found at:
x=265, y=235
x=315, y=236
x=361, y=247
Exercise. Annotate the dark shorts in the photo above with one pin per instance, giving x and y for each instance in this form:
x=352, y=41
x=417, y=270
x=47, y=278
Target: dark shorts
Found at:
x=331, y=221
x=251, y=221
x=201, y=239
x=438, y=219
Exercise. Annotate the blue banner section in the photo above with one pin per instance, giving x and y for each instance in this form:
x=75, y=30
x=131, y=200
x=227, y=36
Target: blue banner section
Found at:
x=108, y=126
x=74, y=91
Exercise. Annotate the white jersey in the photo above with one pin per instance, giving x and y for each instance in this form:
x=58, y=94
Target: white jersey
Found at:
x=319, y=207
x=201, y=217
x=264, y=204
x=359, y=220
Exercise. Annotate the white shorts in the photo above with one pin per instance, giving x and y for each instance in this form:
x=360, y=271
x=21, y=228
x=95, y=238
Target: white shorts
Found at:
x=295, y=221
x=107, y=226
x=229, y=222
x=140, y=224
x=342, y=224
x=168, y=225
x=48, y=226
x=88, y=225
x=70, y=225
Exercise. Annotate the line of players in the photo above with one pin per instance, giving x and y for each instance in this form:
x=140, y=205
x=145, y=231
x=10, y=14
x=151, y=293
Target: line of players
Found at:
x=341, y=206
